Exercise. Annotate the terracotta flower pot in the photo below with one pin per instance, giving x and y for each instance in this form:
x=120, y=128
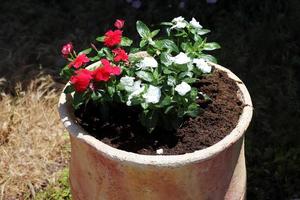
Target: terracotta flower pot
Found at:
x=98, y=171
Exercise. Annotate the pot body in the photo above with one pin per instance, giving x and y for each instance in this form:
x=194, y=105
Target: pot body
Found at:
x=98, y=171
x=95, y=176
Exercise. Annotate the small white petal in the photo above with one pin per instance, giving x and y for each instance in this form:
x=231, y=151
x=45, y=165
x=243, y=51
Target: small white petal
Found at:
x=137, y=90
x=127, y=82
x=152, y=95
x=183, y=88
x=148, y=62
x=179, y=23
x=202, y=65
x=180, y=59
x=189, y=74
x=194, y=23
x=159, y=151
x=178, y=19
x=137, y=87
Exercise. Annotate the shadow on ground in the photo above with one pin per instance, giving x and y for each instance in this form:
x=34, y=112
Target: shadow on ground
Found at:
x=259, y=43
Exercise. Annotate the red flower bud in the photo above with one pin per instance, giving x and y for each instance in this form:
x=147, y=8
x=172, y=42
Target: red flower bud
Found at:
x=81, y=80
x=119, y=23
x=112, y=38
x=79, y=61
x=67, y=49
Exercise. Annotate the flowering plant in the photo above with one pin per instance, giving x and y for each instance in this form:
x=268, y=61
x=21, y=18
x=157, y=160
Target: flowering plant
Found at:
x=157, y=78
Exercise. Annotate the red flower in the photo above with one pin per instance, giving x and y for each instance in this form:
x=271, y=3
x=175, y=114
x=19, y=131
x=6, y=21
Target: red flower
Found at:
x=119, y=23
x=112, y=38
x=79, y=61
x=67, y=49
x=120, y=55
x=81, y=80
x=103, y=73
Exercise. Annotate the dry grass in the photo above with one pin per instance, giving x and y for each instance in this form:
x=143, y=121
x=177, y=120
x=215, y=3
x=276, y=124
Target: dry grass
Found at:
x=33, y=143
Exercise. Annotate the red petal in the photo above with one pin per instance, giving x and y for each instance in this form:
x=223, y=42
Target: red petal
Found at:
x=116, y=70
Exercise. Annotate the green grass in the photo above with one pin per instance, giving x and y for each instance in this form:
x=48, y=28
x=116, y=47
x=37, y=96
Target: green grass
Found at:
x=59, y=190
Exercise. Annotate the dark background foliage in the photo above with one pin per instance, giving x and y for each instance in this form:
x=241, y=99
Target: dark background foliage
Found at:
x=260, y=43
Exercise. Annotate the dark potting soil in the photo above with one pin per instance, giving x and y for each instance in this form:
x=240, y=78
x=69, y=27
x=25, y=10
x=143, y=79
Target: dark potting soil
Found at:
x=219, y=117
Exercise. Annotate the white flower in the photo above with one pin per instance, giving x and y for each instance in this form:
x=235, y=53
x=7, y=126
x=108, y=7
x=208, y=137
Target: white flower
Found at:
x=183, y=88
x=148, y=62
x=137, y=89
x=202, y=65
x=178, y=19
x=180, y=59
x=152, y=95
x=178, y=22
x=194, y=23
x=159, y=151
x=127, y=82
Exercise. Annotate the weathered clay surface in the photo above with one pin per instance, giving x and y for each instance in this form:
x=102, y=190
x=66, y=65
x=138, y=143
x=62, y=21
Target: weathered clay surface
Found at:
x=98, y=171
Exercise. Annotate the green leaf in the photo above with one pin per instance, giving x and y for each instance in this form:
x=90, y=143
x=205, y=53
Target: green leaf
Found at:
x=206, y=97
x=111, y=90
x=165, y=58
x=171, y=81
x=100, y=39
x=199, y=45
x=185, y=74
x=101, y=53
x=181, y=68
x=134, y=50
x=193, y=110
x=186, y=46
x=69, y=89
x=108, y=53
x=167, y=44
x=67, y=72
x=182, y=33
x=168, y=30
x=203, y=31
x=167, y=23
x=166, y=101
x=137, y=101
x=146, y=76
x=156, y=75
x=96, y=96
x=190, y=80
x=197, y=38
x=149, y=120
x=158, y=44
x=208, y=58
x=154, y=33
x=126, y=42
x=167, y=71
x=142, y=29
x=143, y=43
x=78, y=99
x=211, y=46
x=86, y=51
x=168, y=109
x=194, y=93
x=94, y=58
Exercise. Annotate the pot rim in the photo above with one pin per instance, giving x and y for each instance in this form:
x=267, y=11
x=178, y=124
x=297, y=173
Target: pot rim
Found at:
x=77, y=132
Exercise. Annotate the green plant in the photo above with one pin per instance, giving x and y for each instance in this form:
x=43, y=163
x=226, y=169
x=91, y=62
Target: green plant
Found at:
x=60, y=190
x=156, y=78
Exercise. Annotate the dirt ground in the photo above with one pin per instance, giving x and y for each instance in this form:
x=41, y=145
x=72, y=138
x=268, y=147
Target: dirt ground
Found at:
x=33, y=143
